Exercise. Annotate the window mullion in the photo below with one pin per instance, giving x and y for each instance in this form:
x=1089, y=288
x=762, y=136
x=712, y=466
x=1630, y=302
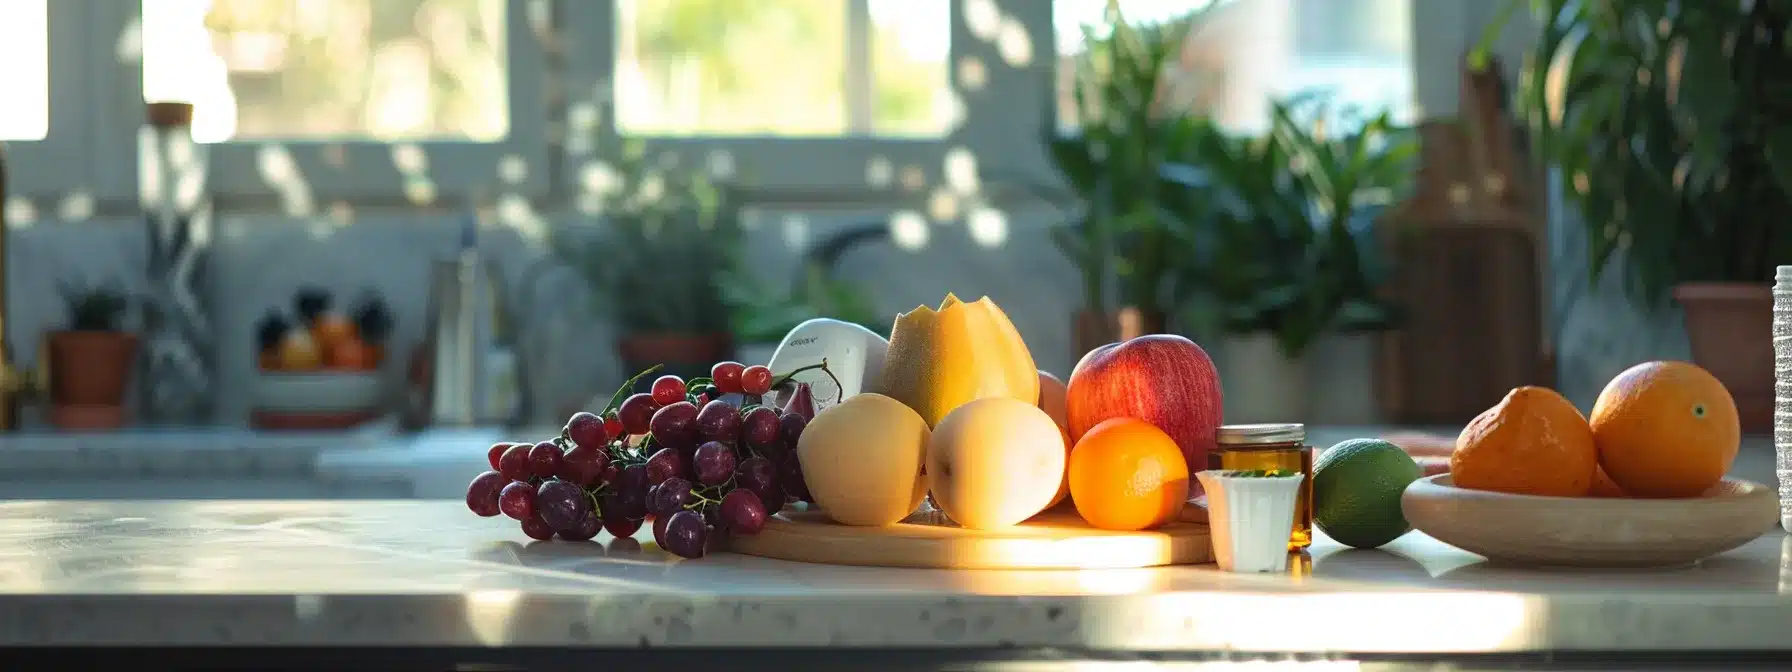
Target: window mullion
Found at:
x=114, y=90
x=40, y=171
x=1006, y=113
x=589, y=55
x=860, y=77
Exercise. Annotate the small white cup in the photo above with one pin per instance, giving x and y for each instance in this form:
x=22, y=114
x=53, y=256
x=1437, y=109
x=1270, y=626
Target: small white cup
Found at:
x=1250, y=518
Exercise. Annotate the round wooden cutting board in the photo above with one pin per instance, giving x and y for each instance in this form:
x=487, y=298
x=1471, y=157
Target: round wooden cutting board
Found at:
x=1057, y=539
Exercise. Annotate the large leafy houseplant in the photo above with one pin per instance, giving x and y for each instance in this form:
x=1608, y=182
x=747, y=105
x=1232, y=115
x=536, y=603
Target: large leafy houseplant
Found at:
x=1120, y=237
x=1669, y=126
x=1286, y=245
x=656, y=257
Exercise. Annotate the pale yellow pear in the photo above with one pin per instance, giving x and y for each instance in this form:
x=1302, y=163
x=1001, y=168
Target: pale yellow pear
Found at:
x=995, y=462
x=862, y=460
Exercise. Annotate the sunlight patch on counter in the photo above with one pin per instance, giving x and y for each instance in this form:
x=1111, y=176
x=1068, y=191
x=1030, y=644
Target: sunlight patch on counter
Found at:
x=1301, y=621
x=489, y=615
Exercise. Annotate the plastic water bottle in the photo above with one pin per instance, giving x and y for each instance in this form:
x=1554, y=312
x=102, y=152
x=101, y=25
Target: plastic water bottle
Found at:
x=1782, y=388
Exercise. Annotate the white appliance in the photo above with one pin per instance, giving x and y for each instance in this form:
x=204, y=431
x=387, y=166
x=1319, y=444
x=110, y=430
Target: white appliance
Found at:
x=855, y=355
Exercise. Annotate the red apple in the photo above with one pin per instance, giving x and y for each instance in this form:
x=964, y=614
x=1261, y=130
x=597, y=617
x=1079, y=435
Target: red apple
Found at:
x=1163, y=379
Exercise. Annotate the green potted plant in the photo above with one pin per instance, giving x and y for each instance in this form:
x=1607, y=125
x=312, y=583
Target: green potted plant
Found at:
x=1119, y=240
x=90, y=361
x=763, y=314
x=1288, y=256
x=1668, y=126
x=656, y=256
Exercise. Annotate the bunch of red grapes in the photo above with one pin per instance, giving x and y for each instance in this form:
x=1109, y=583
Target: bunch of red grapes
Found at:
x=700, y=458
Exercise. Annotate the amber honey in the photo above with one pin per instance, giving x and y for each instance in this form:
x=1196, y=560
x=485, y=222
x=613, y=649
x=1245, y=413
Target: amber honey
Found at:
x=1272, y=446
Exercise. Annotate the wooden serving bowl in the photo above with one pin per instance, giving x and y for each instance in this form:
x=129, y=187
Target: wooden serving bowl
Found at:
x=1589, y=531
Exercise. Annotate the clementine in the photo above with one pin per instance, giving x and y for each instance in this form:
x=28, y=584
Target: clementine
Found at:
x=350, y=355
x=331, y=330
x=1534, y=442
x=1666, y=429
x=1126, y=474
x=1603, y=485
x=298, y=352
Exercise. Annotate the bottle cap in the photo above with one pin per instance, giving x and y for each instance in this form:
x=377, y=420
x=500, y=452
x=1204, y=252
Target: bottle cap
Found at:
x=1262, y=434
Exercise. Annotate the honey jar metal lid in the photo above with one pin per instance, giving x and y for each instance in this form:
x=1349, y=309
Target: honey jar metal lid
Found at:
x=1259, y=434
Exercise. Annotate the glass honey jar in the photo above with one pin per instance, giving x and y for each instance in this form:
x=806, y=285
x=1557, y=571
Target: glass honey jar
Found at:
x=1279, y=446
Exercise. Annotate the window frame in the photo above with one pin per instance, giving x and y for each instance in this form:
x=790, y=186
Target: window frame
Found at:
x=350, y=170
x=782, y=169
x=60, y=163
x=562, y=74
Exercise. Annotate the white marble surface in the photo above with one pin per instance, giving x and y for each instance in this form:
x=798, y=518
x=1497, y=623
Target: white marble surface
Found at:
x=431, y=574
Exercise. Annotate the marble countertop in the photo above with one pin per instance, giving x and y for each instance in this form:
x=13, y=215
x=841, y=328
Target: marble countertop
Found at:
x=428, y=573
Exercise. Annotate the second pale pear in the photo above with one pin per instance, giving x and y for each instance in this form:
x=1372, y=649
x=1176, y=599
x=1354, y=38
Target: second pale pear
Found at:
x=995, y=462
x=942, y=359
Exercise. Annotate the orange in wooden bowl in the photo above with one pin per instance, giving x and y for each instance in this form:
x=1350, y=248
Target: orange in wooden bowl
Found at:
x=1588, y=531
x=1666, y=429
x=1534, y=442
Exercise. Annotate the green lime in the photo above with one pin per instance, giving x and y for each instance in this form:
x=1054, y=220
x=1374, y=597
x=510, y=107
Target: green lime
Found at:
x=1356, y=491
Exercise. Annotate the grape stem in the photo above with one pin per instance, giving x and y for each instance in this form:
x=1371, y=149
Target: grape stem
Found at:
x=622, y=392
x=840, y=395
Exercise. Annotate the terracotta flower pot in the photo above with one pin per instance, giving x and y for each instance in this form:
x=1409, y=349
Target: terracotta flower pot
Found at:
x=1093, y=329
x=91, y=367
x=90, y=373
x=685, y=355
x=87, y=417
x=1730, y=327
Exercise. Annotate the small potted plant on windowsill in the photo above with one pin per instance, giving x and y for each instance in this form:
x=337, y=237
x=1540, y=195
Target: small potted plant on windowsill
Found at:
x=91, y=361
x=656, y=256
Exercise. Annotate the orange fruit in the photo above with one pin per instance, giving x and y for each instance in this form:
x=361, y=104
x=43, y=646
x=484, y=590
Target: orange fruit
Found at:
x=331, y=330
x=1603, y=485
x=1534, y=442
x=1126, y=474
x=350, y=355
x=297, y=352
x=1666, y=429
